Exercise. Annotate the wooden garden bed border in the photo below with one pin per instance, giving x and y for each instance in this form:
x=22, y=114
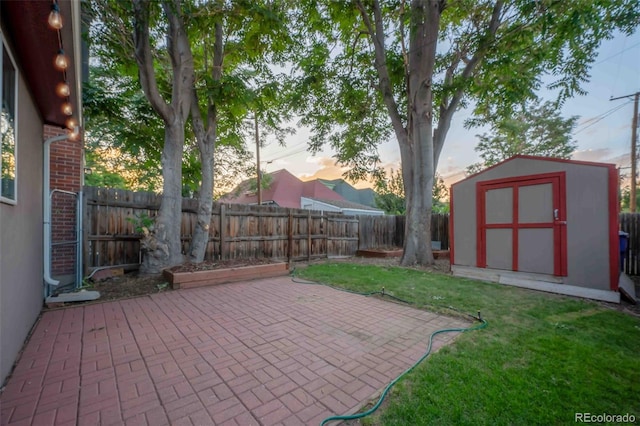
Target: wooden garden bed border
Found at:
x=220, y=276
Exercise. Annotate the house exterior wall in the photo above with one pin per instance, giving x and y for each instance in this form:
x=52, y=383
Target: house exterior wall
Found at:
x=587, y=212
x=310, y=204
x=21, y=285
x=359, y=212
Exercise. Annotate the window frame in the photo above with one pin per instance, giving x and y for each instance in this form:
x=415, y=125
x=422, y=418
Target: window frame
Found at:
x=3, y=48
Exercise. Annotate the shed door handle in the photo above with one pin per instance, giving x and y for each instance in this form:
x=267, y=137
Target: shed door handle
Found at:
x=555, y=214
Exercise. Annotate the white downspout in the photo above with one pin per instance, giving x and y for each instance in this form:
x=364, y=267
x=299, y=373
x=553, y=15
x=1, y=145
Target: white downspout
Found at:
x=46, y=205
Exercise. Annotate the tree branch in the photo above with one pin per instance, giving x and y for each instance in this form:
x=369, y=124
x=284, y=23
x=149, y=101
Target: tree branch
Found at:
x=216, y=74
x=384, y=81
x=444, y=121
x=145, y=61
x=403, y=44
x=196, y=120
x=179, y=50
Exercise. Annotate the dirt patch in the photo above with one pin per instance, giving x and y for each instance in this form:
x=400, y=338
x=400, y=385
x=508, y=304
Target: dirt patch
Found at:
x=132, y=284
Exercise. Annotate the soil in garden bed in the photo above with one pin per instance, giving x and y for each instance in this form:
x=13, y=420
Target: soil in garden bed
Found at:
x=220, y=264
x=133, y=284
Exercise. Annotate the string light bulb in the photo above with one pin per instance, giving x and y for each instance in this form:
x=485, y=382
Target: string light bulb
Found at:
x=74, y=134
x=61, y=62
x=62, y=90
x=71, y=123
x=66, y=108
x=55, y=20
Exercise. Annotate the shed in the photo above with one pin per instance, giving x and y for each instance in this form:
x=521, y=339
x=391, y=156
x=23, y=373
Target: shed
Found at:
x=541, y=223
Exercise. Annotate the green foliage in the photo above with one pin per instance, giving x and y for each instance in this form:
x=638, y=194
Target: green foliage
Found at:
x=550, y=349
x=266, y=179
x=141, y=222
x=390, y=193
x=625, y=199
x=338, y=90
x=120, y=116
x=100, y=174
x=533, y=130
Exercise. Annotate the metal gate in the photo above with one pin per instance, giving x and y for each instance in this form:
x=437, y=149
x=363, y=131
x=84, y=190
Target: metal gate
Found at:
x=66, y=247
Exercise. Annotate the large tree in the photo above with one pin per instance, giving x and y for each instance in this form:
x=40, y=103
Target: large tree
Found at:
x=124, y=138
x=532, y=130
x=206, y=59
x=162, y=243
x=369, y=70
x=234, y=42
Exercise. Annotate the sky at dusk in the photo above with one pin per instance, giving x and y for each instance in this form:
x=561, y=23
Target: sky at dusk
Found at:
x=603, y=132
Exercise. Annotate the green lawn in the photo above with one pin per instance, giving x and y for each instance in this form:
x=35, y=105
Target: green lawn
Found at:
x=541, y=359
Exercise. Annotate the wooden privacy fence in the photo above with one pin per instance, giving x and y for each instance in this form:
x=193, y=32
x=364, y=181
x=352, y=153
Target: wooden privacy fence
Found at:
x=630, y=223
x=112, y=220
x=381, y=231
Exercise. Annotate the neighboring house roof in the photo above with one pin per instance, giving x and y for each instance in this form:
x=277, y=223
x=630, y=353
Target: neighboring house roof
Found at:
x=345, y=204
x=285, y=191
x=365, y=196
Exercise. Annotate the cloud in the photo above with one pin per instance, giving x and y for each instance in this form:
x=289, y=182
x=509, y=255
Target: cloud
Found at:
x=597, y=155
x=328, y=169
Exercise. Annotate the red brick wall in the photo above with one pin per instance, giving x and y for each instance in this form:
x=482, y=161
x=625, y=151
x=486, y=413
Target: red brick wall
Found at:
x=66, y=161
x=66, y=174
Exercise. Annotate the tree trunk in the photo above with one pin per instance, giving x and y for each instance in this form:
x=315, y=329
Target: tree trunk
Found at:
x=161, y=245
x=419, y=197
x=418, y=157
x=200, y=238
x=206, y=146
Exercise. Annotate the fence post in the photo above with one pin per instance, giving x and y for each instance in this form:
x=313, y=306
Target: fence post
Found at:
x=324, y=228
x=290, y=236
x=309, y=235
x=86, y=222
x=222, y=225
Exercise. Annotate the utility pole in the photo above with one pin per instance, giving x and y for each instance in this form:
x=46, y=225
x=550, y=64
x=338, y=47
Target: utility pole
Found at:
x=258, y=177
x=634, y=135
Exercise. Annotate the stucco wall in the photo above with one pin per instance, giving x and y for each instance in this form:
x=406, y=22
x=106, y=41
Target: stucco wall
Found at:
x=587, y=217
x=21, y=285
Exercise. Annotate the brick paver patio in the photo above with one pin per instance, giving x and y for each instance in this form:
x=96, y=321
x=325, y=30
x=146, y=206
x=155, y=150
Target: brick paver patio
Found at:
x=263, y=352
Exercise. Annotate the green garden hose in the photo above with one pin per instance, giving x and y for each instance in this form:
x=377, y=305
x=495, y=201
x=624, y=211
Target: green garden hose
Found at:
x=483, y=324
x=386, y=390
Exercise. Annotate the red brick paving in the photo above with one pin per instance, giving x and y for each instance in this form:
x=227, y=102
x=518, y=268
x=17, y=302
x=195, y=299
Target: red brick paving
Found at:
x=263, y=352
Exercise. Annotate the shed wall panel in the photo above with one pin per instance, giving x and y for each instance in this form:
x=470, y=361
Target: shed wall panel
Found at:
x=535, y=203
x=537, y=254
x=587, y=216
x=499, y=249
x=498, y=205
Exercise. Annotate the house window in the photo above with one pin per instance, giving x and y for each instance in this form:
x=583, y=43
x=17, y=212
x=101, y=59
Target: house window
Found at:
x=8, y=128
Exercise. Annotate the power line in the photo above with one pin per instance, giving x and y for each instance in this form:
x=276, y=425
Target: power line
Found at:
x=616, y=54
x=599, y=118
x=287, y=155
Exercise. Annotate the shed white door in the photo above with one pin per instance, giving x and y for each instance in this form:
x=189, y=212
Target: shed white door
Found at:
x=522, y=224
